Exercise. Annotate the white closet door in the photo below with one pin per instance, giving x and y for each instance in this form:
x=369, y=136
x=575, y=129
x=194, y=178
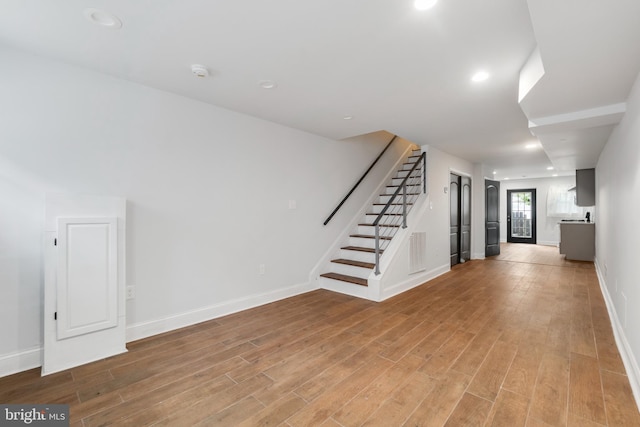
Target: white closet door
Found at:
x=87, y=275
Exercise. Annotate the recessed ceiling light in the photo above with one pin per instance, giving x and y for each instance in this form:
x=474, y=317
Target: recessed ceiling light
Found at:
x=549, y=168
x=424, y=4
x=480, y=76
x=506, y=179
x=494, y=172
x=555, y=174
x=102, y=18
x=347, y=118
x=267, y=84
x=530, y=146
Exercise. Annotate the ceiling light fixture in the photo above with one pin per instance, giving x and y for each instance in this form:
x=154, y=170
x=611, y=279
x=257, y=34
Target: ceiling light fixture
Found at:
x=530, y=146
x=495, y=172
x=549, y=168
x=103, y=19
x=555, y=174
x=267, y=84
x=199, y=71
x=347, y=118
x=506, y=179
x=424, y=4
x=480, y=76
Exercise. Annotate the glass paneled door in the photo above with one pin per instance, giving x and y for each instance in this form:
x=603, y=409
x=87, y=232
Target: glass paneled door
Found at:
x=521, y=216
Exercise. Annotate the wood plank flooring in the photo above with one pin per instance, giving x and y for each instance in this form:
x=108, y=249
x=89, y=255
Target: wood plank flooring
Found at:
x=522, y=339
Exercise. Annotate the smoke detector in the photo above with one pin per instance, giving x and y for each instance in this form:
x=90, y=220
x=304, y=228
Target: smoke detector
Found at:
x=199, y=70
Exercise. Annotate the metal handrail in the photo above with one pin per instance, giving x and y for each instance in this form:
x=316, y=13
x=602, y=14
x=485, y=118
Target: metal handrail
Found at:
x=359, y=181
x=402, y=187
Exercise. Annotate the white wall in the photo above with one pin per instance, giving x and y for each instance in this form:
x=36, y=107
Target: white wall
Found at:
x=547, y=231
x=208, y=194
x=618, y=232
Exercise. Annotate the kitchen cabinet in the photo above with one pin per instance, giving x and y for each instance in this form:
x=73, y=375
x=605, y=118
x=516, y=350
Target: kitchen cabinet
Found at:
x=578, y=240
x=586, y=187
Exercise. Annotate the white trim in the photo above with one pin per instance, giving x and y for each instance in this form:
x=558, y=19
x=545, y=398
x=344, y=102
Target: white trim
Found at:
x=414, y=281
x=477, y=255
x=547, y=243
x=177, y=321
x=20, y=361
x=626, y=353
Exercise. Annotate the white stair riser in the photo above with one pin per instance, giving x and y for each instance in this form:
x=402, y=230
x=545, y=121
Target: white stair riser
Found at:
x=357, y=255
x=350, y=270
x=404, y=172
x=366, y=243
x=414, y=180
x=370, y=229
x=384, y=198
x=411, y=188
x=376, y=209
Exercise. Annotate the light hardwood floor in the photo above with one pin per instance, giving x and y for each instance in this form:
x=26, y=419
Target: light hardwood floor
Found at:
x=520, y=339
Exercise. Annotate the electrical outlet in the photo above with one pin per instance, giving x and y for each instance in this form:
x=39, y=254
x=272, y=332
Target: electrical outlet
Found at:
x=261, y=269
x=131, y=292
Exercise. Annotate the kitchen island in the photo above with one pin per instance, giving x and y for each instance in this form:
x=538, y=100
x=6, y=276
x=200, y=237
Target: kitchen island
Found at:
x=578, y=240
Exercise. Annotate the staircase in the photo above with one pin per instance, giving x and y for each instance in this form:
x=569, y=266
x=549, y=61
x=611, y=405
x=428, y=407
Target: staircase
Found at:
x=357, y=259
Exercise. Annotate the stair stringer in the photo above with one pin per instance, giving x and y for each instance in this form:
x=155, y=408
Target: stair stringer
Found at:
x=391, y=253
x=343, y=239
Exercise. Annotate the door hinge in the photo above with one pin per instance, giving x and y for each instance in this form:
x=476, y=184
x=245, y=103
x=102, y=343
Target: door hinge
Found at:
x=55, y=316
x=55, y=242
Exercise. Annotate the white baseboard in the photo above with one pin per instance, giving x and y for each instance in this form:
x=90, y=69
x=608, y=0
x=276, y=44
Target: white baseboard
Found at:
x=628, y=359
x=20, y=361
x=413, y=281
x=477, y=255
x=547, y=243
x=181, y=320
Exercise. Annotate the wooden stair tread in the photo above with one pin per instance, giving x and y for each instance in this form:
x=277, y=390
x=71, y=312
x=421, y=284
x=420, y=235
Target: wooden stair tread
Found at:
x=360, y=249
x=385, y=214
x=366, y=236
x=380, y=225
x=392, y=204
x=354, y=263
x=345, y=278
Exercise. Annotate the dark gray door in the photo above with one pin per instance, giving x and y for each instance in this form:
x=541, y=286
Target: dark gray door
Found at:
x=492, y=218
x=460, y=218
x=521, y=216
x=465, y=218
x=454, y=218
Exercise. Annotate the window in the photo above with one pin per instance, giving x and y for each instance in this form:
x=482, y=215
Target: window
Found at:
x=562, y=203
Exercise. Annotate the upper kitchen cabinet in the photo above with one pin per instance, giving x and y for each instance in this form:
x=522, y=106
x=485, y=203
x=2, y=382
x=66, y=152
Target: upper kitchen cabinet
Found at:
x=586, y=187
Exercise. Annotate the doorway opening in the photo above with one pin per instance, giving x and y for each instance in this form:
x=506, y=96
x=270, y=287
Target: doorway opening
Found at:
x=521, y=216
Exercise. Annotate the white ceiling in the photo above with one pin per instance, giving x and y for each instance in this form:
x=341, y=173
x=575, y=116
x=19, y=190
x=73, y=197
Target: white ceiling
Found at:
x=382, y=62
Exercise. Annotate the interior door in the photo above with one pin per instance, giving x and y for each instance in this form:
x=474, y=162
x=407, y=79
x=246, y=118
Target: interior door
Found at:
x=465, y=218
x=521, y=216
x=492, y=218
x=454, y=218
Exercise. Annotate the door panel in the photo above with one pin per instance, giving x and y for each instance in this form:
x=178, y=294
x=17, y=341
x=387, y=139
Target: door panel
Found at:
x=521, y=216
x=465, y=218
x=492, y=218
x=454, y=218
x=87, y=282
